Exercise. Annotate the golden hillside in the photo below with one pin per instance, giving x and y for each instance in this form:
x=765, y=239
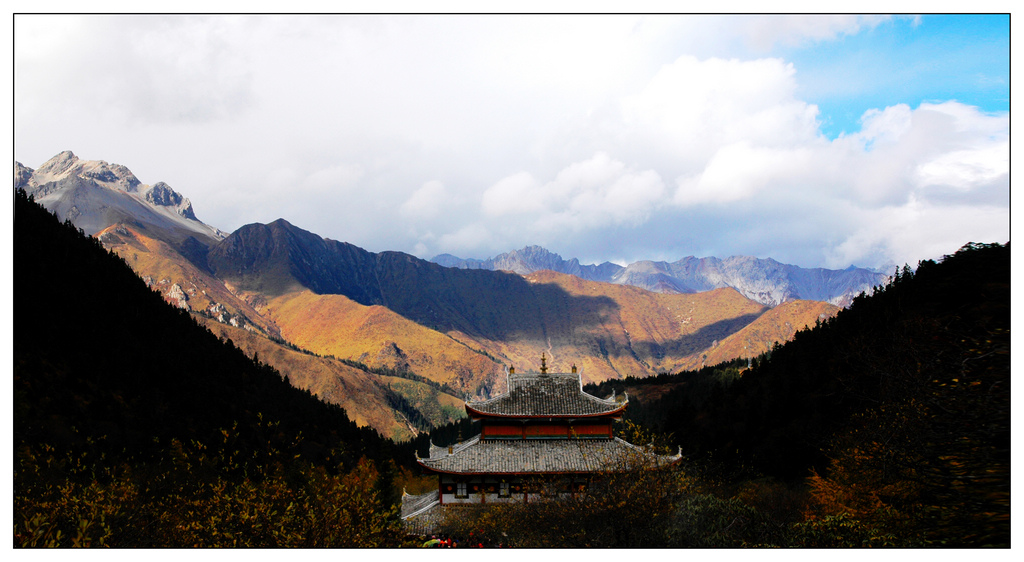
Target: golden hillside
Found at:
x=606, y=330
x=613, y=331
x=375, y=336
x=776, y=325
x=362, y=394
x=161, y=266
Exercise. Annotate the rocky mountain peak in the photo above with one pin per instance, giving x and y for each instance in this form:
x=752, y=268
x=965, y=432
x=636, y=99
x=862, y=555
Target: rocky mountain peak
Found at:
x=764, y=280
x=162, y=194
x=59, y=164
x=94, y=194
x=22, y=174
x=528, y=260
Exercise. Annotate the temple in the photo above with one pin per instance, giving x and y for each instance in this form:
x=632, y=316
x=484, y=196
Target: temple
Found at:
x=542, y=439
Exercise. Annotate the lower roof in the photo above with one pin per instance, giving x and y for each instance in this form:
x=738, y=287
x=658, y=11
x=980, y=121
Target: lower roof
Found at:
x=555, y=456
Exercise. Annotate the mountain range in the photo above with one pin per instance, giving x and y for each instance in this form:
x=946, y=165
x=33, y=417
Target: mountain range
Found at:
x=399, y=341
x=764, y=280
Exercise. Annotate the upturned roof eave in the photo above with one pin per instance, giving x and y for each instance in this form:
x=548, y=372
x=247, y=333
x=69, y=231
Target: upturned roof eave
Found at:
x=432, y=470
x=517, y=473
x=479, y=413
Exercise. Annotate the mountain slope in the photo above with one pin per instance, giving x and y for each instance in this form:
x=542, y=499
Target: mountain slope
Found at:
x=369, y=399
x=778, y=324
x=364, y=395
x=900, y=404
x=613, y=330
x=609, y=330
x=397, y=314
x=378, y=337
x=182, y=283
x=103, y=364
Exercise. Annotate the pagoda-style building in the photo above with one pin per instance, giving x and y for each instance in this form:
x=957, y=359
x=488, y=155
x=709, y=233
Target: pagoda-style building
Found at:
x=543, y=438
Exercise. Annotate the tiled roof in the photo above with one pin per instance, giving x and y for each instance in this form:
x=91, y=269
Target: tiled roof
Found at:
x=525, y=456
x=554, y=394
x=414, y=505
x=420, y=514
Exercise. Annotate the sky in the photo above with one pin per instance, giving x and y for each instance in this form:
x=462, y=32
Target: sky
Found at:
x=816, y=140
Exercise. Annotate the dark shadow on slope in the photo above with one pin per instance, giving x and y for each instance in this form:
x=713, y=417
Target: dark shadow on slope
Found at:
x=491, y=304
x=698, y=341
x=278, y=257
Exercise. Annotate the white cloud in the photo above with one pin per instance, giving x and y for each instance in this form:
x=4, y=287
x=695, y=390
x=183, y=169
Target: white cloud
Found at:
x=967, y=169
x=764, y=32
x=482, y=133
x=917, y=230
x=335, y=177
x=692, y=108
x=427, y=202
x=516, y=194
x=139, y=69
x=588, y=194
x=884, y=126
x=741, y=171
x=470, y=238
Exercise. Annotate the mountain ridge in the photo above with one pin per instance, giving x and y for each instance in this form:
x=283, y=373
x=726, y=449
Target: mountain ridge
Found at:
x=95, y=195
x=390, y=311
x=764, y=280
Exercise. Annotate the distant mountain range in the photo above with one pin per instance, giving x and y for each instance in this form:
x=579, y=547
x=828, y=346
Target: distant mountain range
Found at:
x=764, y=280
x=399, y=341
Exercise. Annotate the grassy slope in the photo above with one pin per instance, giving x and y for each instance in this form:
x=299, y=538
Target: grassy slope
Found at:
x=639, y=334
x=377, y=337
x=159, y=261
x=778, y=324
x=643, y=334
x=359, y=392
x=124, y=372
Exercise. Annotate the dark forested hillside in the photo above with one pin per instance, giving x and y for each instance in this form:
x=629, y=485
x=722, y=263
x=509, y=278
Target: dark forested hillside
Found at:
x=898, y=407
x=105, y=369
x=99, y=354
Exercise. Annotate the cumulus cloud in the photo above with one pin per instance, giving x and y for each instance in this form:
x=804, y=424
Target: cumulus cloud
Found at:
x=741, y=171
x=691, y=108
x=610, y=137
x=588, y=194
x=916, y=230
x=427, y=202
x=142, y=69
x=764, y=32
x=332, y=178
x=968, y=169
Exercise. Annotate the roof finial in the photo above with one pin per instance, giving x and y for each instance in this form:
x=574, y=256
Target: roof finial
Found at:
x=512, y=370
x=543, y=364
x=574, y=367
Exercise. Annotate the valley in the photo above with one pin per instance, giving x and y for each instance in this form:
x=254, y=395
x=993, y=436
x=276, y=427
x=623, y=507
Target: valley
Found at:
x=379, y=333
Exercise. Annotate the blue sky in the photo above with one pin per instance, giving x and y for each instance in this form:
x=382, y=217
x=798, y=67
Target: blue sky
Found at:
x=822, y=141
x=907, y=60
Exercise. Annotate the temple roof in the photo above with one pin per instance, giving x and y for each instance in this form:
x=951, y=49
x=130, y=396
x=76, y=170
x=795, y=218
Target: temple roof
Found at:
x=420, y=514
x=415, y=505
x=529, y=456
x=545, y=395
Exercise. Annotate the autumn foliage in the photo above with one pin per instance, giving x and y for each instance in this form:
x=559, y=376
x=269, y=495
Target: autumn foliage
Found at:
x=196, y=496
